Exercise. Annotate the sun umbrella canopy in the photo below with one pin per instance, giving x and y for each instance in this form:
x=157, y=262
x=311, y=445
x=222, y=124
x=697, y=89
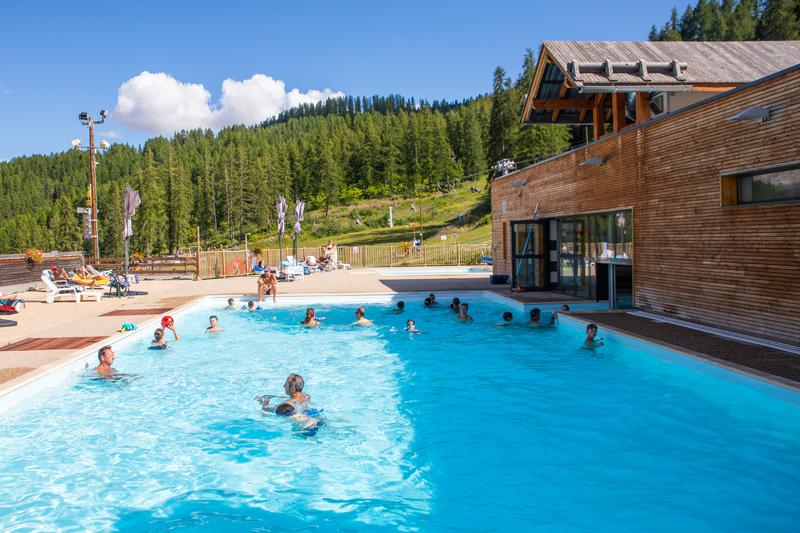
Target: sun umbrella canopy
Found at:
x=282, y=208
x=131, y=202
x=299, y=210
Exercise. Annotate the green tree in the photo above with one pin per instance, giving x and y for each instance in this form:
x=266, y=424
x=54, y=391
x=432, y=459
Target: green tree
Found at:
x=502, y=120
x=779, y=21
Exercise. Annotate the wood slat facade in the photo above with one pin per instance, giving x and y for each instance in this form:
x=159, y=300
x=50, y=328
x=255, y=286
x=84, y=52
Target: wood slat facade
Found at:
x=736, y=267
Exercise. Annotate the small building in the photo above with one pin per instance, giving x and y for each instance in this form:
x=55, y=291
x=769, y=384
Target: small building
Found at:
x=687, y=200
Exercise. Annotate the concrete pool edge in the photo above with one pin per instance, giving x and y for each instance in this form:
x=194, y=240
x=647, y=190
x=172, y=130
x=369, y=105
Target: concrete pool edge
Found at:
x=16, y=390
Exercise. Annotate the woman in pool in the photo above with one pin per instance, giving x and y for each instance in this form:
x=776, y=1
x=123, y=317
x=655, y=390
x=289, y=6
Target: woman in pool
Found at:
x=463, y=313
x=455, y=305
x=160, y=339
x=311, y=318
x=361, y=319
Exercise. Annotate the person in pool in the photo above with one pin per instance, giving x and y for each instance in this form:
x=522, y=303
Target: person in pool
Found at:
x=591, y=340
x=463, y=313
x=507, y=318
x=432, y=298
x=160, y=336
x=230, y=306
x=565, y=307
x=428, y=302
x=213, y=324
x=311, y=318
x=536, y=318
x=361, y=319
x=296, y=406
x=455, y=305
x=252, y=307
x=105, y=357
x=401, y=306
x=411, y=326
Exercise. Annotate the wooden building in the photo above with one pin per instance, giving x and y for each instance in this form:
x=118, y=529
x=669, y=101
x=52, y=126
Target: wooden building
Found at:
x=694, y=213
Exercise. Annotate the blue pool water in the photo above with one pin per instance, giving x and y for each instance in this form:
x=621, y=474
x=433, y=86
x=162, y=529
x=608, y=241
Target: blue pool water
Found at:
x=466, y=427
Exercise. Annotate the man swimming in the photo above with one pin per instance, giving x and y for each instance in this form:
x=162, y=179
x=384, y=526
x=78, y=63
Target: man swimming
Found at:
x=105, y=356
x=411, y=326
x=296, y=406
x=536, y=318
x=230, y=306
x=213, y=326
x=160, y=337
x=432, y=298
x=591, y=340
x=361, y=319
x=507, y=318
x=427, y=302
x=251, y=307
x=401, y=306
x=463, y=313
x=311, y=318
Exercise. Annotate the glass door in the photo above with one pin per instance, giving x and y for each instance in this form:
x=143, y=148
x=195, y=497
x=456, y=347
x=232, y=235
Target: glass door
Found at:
x=529, y=270
x=574, y=268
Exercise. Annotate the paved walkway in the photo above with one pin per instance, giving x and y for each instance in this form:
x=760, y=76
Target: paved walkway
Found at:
x=730, y=352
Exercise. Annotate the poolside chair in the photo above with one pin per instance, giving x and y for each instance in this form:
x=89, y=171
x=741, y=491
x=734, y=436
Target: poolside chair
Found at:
x=103, y=273
x=291, y=269
x=56, y=288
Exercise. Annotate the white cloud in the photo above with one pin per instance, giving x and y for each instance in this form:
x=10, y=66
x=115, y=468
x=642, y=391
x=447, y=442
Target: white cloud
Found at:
x=111, y=134
x=158, y=103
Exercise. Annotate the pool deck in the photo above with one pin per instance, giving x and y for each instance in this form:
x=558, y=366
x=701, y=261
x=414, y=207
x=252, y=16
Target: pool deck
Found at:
x=45, y=327
x=761, y=360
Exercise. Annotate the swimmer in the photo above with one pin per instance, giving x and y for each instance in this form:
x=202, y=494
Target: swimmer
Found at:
x=592, y=342
x=311, y=318
x=401, y=306
x=361, y=319
x=455, y=304
x=105, y=356
x=213, y=322
x=230, y=306
x=411, y=326
x=432, y=298
x=428, y=302
x=565, y=307
x=507, y=318
x=536, y=318
x=160, y=338
x=252, y=307
x=463, y=313
x=293, y=386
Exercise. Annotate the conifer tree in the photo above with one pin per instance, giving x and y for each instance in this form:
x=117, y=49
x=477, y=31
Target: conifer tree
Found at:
x=502, y=119
x=779, y=21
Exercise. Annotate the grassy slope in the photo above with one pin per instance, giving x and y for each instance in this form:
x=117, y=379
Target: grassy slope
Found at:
x=439, y=211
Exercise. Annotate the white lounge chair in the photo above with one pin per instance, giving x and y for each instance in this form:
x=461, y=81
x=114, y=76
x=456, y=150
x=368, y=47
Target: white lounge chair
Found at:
x=293, y=270
x=94, y=272
x=56, y=288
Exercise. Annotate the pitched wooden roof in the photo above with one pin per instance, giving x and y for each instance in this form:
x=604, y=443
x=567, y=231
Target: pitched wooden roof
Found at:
x=727, y=63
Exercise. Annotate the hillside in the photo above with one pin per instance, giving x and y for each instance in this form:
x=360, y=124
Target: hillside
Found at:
x=366, y=222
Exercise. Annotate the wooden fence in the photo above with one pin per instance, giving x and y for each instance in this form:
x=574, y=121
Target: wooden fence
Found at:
x=227, y=263
x=164, y=265
x=15, y=269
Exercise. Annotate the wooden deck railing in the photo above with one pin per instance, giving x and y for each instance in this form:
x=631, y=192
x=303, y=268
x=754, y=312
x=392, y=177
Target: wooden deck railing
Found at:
x=161, y=265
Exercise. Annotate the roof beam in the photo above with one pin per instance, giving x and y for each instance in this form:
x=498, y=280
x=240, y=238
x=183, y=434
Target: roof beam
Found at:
x=618, y=111
x=562, y=92
x=599, y=116
x=562, y=104
x=544, y=58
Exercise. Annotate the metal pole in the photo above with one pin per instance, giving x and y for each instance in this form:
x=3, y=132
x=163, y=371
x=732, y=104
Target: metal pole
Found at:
x=95, y=243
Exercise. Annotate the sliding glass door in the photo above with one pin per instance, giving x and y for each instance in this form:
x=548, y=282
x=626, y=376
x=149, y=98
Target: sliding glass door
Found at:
x=528, y=250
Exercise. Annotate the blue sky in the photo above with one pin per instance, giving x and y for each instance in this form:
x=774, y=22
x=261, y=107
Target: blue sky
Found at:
x=60, y=58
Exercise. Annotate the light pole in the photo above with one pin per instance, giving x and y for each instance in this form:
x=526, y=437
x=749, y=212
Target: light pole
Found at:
x=88, y=120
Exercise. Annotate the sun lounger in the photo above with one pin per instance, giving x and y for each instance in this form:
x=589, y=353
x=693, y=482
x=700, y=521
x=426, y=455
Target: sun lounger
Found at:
x=58, y=288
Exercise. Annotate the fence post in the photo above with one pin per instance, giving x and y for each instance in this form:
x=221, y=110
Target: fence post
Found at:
x=458, y=254
x=224, y=264
x=197, y=263
x=424, y=254
x=391, y=253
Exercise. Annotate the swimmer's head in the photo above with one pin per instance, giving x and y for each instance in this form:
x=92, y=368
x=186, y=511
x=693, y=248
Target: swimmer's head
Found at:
x=428, y=301
x=158, y=334
x=213, y=320
x=294, y=383
x=401, y=305
x=507, y=316
x=432, y=297
x=536, y=313
x=360, y=312
x=230, y=301
x=284, y=409
x=456, y=302
x=410, y=324
x=251, y=304
x=464, y=307
x=310, y=313
x=564, y=307
x=106, y=354
x=591, y=330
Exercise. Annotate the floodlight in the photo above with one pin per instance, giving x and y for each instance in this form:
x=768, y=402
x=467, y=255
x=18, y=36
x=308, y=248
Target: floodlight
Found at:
x=594, y=162
x=76, y=143
x=755, y=114
x=104, y=144
x=103, y=113
x=83, y=116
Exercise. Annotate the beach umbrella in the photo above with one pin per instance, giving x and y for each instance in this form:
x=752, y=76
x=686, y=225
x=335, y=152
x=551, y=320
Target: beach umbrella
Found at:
x=299, y=211
x=131, y=201
x=282, y=207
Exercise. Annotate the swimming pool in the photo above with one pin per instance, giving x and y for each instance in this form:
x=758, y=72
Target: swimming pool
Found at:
x=465, y=427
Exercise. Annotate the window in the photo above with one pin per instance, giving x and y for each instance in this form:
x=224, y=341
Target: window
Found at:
x=767, y=185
